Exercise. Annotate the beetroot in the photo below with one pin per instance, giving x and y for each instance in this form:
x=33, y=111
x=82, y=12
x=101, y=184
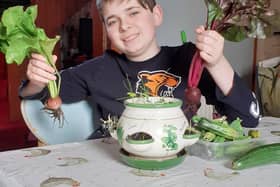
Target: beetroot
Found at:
x=192, y=95
x=235, y=21
x=192, y=92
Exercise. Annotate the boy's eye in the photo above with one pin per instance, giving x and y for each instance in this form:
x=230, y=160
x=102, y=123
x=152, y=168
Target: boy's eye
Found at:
x=134, y=13
x=111, y=22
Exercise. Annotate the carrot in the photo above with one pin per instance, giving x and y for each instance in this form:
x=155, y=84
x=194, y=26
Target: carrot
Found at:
x=53, y=108
x=53, y=103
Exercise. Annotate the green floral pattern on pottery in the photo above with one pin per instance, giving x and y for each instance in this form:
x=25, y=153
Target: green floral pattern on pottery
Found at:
x=120, y=135
x=169, y=142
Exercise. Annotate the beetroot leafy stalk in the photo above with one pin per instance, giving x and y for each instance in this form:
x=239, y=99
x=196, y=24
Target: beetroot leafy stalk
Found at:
x=235, y=20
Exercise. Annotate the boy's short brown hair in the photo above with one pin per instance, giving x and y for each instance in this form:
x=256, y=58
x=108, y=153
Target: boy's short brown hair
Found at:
x=144, y=3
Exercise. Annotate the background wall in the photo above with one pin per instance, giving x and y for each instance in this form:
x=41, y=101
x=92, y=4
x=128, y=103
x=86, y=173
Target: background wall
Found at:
x=269, y=47
x=187, y=15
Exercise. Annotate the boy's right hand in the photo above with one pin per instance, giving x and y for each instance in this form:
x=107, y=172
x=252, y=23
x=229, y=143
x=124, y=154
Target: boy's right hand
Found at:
x=39, y=73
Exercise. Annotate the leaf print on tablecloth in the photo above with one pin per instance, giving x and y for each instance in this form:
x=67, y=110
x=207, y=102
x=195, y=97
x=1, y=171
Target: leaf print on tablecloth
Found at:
x=36, y=152
x=56, y=181
x=71, y=161
x=219, y=175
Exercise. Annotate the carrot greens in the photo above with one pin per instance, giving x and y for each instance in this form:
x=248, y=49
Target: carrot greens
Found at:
x=19, y=37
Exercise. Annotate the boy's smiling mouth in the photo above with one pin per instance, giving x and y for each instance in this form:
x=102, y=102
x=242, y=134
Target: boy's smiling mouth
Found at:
x=130, y=38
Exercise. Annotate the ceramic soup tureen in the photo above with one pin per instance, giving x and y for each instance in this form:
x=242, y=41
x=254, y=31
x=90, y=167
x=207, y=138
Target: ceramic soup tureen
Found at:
x=153, y=128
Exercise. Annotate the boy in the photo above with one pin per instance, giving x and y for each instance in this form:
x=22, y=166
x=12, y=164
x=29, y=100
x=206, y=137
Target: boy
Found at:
x=163, y=71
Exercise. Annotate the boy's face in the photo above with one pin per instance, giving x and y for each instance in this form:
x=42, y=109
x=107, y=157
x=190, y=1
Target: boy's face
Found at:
x=132, y=28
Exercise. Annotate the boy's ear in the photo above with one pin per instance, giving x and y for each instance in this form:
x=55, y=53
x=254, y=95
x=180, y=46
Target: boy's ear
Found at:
x=158, y=14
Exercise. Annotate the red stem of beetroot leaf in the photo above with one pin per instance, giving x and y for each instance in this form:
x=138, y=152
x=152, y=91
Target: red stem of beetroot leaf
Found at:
x=195, y=71
x=192, y=92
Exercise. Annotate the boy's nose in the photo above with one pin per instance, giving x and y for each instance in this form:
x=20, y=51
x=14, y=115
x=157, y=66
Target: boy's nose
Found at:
x=124, y=25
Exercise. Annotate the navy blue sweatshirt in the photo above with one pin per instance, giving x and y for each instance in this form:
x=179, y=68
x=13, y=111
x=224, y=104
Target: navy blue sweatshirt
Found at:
x=105, y=81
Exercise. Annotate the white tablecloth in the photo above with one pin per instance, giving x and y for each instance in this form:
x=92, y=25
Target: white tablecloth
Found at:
x=97, y=163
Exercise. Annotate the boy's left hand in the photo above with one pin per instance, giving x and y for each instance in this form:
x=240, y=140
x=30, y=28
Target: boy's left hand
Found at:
x=211, y=45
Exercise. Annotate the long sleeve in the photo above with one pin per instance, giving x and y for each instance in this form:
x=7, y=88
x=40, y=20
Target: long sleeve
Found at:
x=240, y=102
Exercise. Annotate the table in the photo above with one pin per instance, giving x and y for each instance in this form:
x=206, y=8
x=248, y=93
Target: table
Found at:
x=97, y=163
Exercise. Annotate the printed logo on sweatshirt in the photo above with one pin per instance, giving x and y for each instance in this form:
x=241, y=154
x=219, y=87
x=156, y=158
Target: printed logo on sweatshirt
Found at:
x=157, y=83
x=254, y=108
